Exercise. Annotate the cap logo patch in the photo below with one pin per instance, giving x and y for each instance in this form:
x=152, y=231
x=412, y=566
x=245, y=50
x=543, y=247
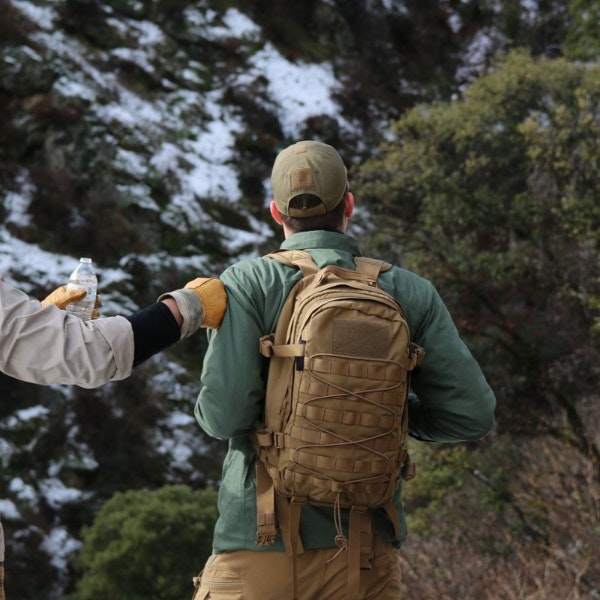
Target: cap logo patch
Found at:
x=301, y=178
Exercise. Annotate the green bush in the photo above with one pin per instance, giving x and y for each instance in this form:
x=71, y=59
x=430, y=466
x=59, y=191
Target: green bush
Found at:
x=147, y=544
x=494, y=197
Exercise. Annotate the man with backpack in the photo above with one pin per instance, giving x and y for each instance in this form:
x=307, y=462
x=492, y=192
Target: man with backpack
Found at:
x=308, y=380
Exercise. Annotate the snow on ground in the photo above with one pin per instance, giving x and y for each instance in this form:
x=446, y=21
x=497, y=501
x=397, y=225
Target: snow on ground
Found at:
x=29, y=263
x=59, y=546
x=287, y=88
x=203, y=161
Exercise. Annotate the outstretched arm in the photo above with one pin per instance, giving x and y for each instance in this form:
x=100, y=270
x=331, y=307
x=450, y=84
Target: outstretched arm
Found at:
x=46, y=346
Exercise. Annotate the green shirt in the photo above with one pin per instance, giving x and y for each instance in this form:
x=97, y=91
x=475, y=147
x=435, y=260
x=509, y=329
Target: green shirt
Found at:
x=451, y=400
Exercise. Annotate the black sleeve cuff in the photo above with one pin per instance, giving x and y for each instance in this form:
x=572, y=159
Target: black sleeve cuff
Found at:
x=154, y=329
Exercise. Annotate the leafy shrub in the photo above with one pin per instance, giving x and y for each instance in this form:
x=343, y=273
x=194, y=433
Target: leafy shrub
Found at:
x=147, y=544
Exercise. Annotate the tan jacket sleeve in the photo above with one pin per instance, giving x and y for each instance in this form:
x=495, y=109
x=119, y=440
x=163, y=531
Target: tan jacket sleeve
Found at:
x=47, y=346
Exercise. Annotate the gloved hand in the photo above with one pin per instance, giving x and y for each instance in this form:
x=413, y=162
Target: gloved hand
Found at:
x=213, y=296
x=202, y=303
x=61, y=298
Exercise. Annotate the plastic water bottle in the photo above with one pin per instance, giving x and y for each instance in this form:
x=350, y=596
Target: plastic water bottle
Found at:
x=83, y=278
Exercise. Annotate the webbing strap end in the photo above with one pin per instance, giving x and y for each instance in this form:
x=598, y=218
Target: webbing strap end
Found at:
x=416, y=354
x=409, y=469
x=266, y=519
x=265, y=539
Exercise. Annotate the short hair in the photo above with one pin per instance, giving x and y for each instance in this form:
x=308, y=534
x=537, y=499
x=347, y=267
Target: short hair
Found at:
x=329, y=220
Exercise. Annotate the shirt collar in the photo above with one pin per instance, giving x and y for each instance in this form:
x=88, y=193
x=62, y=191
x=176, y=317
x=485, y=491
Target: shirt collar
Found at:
x=321, y=239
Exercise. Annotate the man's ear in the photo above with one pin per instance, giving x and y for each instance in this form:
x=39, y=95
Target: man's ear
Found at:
x=349, y=208
x=275, y=213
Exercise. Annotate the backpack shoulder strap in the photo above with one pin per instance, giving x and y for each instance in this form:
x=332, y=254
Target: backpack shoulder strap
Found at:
x=295, y=258
x=371, y=266
x=273, y=344
x=303, y=260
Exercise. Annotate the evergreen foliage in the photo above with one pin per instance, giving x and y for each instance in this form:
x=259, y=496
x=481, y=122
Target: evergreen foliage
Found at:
x=495, y=198
x=147, y=544
x=582, y=41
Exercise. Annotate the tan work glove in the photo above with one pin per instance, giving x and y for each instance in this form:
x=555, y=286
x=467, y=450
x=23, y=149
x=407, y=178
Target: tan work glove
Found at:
x=202, y=303
x=61, y=298
x=213, y=296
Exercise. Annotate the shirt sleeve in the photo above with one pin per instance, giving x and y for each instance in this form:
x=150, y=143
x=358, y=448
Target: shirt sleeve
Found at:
x=47, y=346
x=452, y=400
x=154, y=329
x=231, y=401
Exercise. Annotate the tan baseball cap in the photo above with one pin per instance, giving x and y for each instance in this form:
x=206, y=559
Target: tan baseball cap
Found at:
x=308, y=167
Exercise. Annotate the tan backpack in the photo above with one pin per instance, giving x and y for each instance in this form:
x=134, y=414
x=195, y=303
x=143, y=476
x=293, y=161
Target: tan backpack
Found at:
x=336, y=418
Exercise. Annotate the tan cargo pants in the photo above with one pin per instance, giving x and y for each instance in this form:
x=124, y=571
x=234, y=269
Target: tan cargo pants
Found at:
x=248, y=575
